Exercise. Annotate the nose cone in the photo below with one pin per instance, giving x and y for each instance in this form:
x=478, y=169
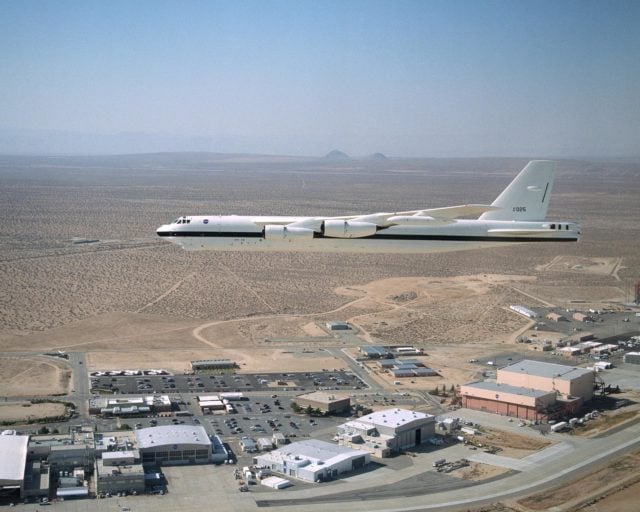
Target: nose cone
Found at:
x=163, y=230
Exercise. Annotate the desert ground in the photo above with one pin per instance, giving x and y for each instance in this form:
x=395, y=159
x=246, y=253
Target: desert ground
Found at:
x=131, y=300
x=17, y=411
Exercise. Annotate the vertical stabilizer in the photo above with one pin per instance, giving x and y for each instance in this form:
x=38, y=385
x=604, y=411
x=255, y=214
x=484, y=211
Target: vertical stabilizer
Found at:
x=527, y=196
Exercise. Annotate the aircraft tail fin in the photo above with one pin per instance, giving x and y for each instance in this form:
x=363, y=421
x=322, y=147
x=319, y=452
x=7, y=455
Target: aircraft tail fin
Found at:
x=526, y=198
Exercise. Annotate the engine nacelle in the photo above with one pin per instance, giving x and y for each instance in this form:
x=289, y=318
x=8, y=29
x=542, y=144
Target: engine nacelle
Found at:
x=287, y=233
x=348, y=229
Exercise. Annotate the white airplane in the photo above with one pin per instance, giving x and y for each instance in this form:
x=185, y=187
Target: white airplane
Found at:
x=516, y=216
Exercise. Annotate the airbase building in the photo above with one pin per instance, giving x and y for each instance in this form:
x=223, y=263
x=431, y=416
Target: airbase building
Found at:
x=384, y=432
x=531, y=390
x=313, y=460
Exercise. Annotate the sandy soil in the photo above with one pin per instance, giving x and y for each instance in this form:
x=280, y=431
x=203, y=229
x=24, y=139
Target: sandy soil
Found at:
x=27, y=376
x=513, y=445
x=131, y=297
x=575, y=495
x=616, y=501
x=26, y=410
x=133, y=300
x=478, y=472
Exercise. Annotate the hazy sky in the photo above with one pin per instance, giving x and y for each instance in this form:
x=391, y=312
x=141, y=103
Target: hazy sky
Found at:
x=407, y=78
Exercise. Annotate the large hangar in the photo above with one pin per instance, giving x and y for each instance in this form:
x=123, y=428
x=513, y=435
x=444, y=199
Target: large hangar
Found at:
x=565, y=380
x=531, y=390
x=174, y=444
x=384, y=432
x=13, y=461
x=313, y=460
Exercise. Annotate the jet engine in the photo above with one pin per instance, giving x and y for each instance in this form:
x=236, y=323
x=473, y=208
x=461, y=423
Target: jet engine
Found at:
x=287, y=233
x=348, y=229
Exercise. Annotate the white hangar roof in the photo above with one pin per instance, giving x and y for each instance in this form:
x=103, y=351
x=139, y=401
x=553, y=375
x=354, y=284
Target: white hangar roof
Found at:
x=394, y=418
x=154, y=437
x=13, y=458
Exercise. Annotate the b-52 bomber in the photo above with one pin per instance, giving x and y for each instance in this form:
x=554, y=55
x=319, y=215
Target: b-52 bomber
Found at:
x=516, y=216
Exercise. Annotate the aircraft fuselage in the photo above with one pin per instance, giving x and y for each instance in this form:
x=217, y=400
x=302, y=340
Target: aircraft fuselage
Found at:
x=247, y=233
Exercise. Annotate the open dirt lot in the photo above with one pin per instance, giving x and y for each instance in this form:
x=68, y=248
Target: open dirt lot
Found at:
x=607, y=481
x=131, y=299
x=11, y=412
x=27, y=376
x=512, y=445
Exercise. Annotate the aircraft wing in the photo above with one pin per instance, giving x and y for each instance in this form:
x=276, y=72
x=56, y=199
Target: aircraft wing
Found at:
x=519, y=232
x=454, y=212
x=429, y=217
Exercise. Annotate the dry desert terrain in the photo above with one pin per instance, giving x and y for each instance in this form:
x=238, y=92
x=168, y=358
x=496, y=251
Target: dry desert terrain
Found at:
x=132, y=299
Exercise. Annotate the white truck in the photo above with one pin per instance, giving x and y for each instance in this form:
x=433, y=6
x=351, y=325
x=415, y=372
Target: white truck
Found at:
x=559, y=427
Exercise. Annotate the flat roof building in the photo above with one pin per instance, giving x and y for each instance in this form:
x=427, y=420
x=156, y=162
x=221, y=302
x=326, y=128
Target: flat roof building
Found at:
x=387, y=431
x=13, y=461
x=129, y=406
x=213, y=364
x=118, y=472
x=174, y=444
x=313, y=460
x=532, y=390
x=520, y=402
x=567, y=381
x=375, y=352
x=328, y=403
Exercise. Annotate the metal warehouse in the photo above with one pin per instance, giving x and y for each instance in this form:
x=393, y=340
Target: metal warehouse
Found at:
x=313, y=460
x=174, y=444
x=13, y=461
x=387, y=431
x=520, y=402
x=532, y=390
x=213, y=364
x=375, y=352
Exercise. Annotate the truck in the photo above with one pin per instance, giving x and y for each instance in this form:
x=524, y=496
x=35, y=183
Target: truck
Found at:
x=559, y=427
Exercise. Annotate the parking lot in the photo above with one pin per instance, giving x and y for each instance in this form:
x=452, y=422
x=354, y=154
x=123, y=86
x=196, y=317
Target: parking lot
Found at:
x=216, y=383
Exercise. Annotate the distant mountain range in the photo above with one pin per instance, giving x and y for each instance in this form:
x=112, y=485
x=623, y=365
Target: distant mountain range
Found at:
x=68, y=143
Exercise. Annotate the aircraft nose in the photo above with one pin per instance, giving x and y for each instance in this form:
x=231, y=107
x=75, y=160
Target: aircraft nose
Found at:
x=163, y=230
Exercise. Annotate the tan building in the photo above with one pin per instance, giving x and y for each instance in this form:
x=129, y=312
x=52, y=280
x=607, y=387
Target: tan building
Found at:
x=555, y=317
x=567, y=381
x=506, y=400
x=531, y=390
x=328, y=403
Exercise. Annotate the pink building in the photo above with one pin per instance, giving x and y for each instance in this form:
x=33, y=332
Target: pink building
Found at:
x=531, y=390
